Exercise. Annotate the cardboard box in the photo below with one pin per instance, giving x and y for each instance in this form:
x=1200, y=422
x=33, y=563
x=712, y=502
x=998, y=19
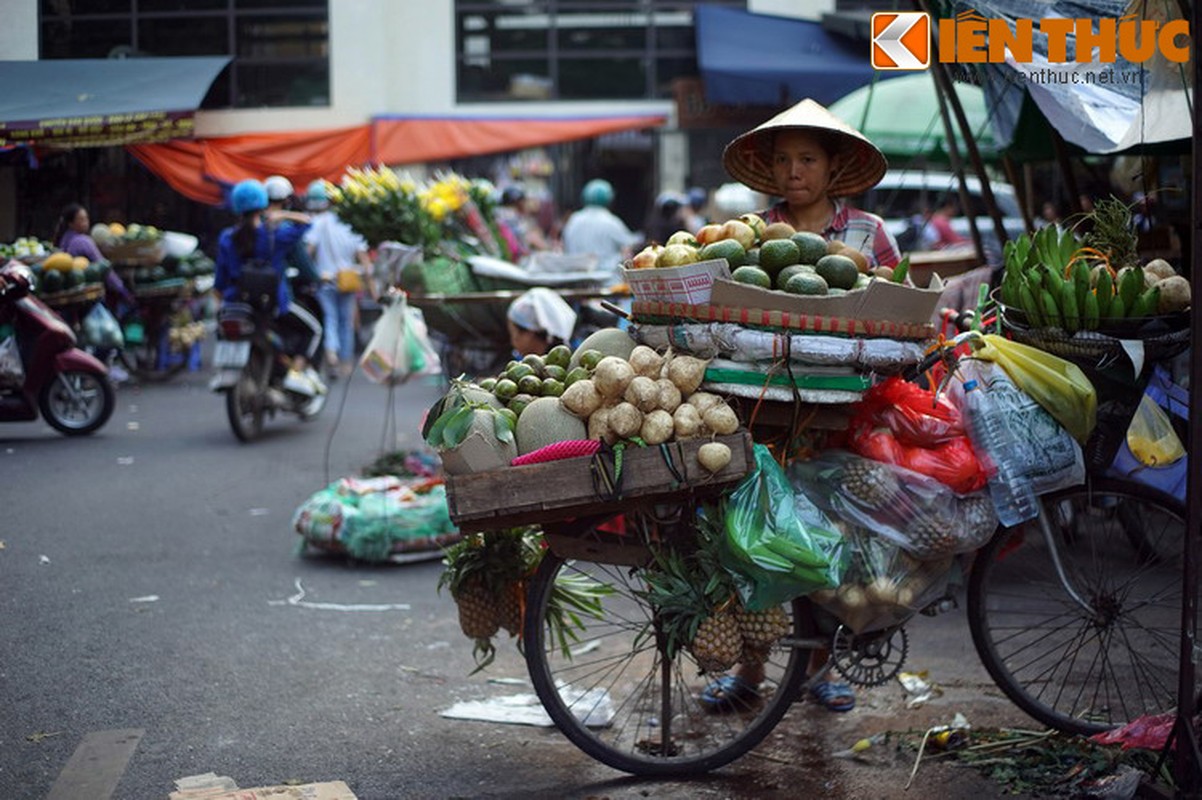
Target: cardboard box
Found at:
x=570, y=488
x=691, y=283
x=882, y=300
x=330, y=790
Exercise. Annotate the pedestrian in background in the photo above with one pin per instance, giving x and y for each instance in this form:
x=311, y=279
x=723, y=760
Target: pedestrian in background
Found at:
x=281, y=197
x=596, y=230
x=343, y=267
x=693, y=214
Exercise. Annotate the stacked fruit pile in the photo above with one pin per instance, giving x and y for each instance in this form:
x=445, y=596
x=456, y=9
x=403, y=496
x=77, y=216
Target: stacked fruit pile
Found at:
x=61, y=273
x=771, y=256
x=26, y=248
x=1057, y=283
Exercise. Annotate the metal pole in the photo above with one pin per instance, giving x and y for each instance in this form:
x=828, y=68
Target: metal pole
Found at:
x=953, y=157
x=1186, y=766
x=970, y=144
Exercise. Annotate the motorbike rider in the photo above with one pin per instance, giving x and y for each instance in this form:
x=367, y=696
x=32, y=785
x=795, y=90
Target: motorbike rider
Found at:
x=261, y=234
x=303, y=272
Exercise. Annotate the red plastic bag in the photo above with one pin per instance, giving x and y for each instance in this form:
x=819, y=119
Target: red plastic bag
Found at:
x=914, y=415
x=952, y=463
x=1149, y=732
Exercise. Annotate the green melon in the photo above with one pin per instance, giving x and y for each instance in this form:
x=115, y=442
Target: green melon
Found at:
x=806, y=283
x=545, y=421
x=811, y=245
x=608, y=342
x=753, y=257
x=52, y=281
x=839, y=272
x=776, y=254
x=752, y=276
x=729, y=249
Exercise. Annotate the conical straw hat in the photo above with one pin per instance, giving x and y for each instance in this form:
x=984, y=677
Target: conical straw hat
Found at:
x=748, y=159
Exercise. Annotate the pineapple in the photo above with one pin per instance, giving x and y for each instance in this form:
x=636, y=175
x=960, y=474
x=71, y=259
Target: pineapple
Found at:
x=509, y=609
x=761, y=629
x=931, y=538
x=483, y=572
x=478, y=617
x=870, y=482
x=718, y=642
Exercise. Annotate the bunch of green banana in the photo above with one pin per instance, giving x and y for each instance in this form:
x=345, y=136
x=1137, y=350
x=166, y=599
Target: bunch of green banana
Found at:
x=1054, y=289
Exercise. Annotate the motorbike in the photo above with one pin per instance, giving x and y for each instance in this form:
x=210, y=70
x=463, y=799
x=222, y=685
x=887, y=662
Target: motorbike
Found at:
x=251, y=367
x=68, y=387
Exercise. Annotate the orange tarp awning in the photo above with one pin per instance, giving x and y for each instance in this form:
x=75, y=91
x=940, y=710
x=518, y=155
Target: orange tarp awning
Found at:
x=412, y=140
x=197, y=168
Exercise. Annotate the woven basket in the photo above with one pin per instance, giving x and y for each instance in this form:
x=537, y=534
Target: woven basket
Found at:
x=87, y=293
x=1163, y=338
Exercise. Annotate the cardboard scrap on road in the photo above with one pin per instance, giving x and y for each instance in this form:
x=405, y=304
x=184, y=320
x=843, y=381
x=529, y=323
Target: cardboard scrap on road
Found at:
x=211, y=786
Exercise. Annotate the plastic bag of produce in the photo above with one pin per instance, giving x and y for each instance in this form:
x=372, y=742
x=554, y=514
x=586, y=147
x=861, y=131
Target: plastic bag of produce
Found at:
x=1045, y=456
x=1058, y=385
x=916, y=512
x=12, y=374
x=101, y=329
x=374, y=518
x=882, y=585
x=400, y=346
x=777, y=543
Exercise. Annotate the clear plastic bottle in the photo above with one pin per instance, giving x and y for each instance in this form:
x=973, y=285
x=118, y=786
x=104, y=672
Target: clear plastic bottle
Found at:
x=1013, y=496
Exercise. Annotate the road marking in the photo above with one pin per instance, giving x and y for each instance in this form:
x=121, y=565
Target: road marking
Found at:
x=96, y=766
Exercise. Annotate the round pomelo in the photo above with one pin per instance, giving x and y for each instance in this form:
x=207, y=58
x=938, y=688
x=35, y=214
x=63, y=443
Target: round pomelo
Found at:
x=777, y=230
x=752, y=276
x=811, y=246
x=839, y=272
x=729, y=249
x=776, y=254
x=806, y=283
x=782, y=277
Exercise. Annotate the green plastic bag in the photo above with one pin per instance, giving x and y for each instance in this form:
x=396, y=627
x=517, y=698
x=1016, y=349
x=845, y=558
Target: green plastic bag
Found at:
x=777, y=544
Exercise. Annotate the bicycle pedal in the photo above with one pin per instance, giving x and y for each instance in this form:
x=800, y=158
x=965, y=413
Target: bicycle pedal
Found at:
x=940, y=606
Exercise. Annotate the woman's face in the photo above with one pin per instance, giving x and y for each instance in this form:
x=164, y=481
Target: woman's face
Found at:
x=526, y=342
x=81, y=223
x=801, y=168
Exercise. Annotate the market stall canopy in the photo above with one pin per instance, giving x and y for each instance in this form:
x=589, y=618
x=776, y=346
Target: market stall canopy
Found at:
x=413, y=140
x=102, y=102
x=758, y=59
x=199, y=169
x=1098, y=108
x=901, y=117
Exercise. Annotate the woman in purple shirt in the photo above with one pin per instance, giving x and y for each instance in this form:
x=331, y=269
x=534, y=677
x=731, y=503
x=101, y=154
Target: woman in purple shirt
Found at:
x=72, y=235
x=73, y=238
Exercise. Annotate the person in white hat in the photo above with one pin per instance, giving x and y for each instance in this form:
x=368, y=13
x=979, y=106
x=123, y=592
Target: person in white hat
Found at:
x=538, y=320
x=811, y=159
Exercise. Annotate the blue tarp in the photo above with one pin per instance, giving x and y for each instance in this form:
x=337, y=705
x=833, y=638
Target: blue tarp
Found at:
x=757, y=59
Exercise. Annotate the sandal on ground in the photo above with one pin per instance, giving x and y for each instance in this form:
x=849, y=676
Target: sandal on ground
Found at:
x=729, y=693
x=833, y=696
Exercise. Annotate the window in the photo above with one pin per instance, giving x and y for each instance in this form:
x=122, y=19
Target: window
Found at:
x=573, y=49
x=280, y=47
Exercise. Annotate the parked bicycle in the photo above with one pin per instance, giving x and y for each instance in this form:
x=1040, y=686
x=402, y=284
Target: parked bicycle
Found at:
x=1076, y=615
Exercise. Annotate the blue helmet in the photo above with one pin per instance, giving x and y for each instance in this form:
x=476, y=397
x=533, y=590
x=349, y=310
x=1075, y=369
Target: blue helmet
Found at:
x=597, y=192
x=248, y=195
x=317, y=193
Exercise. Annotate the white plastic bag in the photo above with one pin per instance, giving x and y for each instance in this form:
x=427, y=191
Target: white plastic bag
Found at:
x=101, y=329
x=400, y=346
x=12, y=374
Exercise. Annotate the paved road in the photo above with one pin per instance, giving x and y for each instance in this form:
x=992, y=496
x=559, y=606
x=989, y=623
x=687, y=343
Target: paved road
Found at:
x=142, y=630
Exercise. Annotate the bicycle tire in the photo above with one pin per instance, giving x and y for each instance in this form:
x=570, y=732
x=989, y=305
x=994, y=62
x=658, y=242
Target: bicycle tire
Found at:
x=620, y=662
x=1073, y=670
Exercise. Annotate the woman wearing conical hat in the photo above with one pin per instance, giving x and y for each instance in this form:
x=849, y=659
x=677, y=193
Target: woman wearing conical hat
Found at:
x=810, y=158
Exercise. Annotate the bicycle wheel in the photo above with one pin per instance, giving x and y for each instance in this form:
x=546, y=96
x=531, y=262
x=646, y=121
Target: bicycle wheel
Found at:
x=619, y=699
x=1085, y=668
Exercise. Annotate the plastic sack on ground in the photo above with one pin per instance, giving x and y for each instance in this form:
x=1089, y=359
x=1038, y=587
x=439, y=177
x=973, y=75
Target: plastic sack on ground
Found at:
x=12, y=374
x=900, y=423
x=1045, y=455
x=777, y=544
x=916, y=512
x=101, y=329
x=882, y=585
x=374, y=518
x=1058, y=385
x=400, y=346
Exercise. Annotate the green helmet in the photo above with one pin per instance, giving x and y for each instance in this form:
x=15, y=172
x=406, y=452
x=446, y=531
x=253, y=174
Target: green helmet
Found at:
x=597, y=192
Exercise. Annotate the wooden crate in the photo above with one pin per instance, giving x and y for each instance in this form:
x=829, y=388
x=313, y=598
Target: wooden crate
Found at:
x=558, y=490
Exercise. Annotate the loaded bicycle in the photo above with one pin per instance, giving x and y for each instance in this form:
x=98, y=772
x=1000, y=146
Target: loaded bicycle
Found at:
x=1075, y=615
